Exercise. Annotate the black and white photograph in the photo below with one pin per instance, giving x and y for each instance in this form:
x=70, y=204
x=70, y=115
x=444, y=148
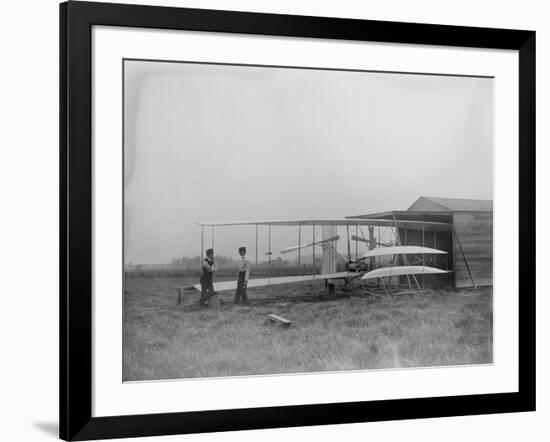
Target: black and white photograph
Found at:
x=235, y=221
x=287, y=220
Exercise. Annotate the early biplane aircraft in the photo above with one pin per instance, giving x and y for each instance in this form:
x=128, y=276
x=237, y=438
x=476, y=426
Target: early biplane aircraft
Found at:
x=354, y=270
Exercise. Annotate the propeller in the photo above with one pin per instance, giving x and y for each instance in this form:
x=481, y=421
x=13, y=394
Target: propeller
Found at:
x=323, y=241
x=360, y=239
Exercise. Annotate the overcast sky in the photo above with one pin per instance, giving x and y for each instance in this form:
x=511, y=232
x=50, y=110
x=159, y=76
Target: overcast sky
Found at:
x=210, y=142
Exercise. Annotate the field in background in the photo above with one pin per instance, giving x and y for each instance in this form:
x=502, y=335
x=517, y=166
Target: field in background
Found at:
x=163, y=340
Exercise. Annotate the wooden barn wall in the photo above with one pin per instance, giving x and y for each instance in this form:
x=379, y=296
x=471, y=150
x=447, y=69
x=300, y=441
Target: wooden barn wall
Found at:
x=441, y=240
x=475, y=231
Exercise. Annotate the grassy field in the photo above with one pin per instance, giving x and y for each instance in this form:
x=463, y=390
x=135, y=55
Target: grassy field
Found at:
x=163, y=340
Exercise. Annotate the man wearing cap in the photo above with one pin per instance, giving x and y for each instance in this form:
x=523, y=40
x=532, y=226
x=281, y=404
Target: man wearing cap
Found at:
x=207, y=277
x=242, y=278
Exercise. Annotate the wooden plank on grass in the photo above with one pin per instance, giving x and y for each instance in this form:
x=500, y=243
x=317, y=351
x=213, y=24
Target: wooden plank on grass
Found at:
x=279, y=319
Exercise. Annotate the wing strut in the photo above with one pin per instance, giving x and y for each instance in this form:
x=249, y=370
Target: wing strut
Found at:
x=356, y=242
x=256, y=246
x=313, y=266
x=202, y=247
x=423, y=260
x=269, y=248
x=349, y=245
x=300, y=247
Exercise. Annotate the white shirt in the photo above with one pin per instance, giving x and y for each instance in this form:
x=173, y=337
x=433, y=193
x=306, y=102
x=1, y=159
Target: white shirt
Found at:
x=208, y=267
x=244, y=266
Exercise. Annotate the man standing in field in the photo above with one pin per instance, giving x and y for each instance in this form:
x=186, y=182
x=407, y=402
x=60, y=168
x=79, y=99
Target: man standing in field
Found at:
x=242, y=278
x=207, y=277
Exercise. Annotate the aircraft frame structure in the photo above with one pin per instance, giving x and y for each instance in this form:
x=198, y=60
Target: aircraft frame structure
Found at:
x=356, y=270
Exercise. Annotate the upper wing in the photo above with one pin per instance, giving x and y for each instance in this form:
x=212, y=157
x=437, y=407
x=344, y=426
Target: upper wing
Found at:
x=324, y=222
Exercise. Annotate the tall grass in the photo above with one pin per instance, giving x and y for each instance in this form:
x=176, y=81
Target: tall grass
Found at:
x=163, y=340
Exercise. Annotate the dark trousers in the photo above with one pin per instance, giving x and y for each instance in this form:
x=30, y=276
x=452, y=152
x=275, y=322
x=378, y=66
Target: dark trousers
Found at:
x=207, y=290
x=240, y=294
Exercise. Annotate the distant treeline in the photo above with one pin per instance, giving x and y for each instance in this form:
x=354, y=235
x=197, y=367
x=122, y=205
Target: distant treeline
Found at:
x=190, y=266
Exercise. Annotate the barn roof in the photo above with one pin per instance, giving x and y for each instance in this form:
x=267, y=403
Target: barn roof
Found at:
x=451, y=204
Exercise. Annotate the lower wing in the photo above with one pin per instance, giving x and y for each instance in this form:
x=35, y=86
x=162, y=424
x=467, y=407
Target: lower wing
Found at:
x=263, y=282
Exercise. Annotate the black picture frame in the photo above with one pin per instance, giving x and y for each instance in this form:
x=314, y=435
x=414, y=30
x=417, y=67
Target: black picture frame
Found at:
x=76, y=21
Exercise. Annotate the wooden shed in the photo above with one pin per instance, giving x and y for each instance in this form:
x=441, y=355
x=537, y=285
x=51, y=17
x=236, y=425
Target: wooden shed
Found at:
x=465, y=232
